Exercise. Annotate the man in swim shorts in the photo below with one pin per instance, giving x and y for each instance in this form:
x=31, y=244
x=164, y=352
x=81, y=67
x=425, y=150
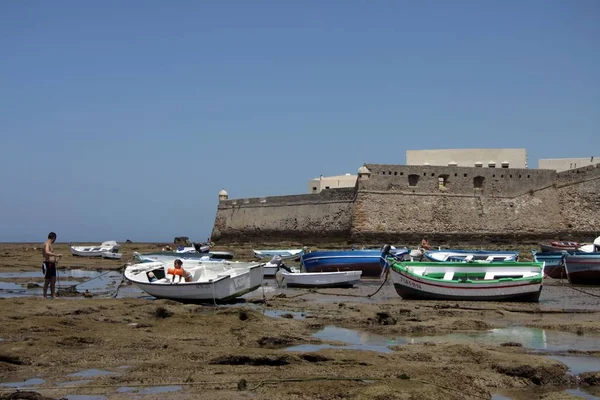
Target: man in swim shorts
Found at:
x=49, y=264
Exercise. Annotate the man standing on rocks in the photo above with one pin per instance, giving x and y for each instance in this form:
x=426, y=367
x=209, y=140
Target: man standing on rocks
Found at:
x=49, y=265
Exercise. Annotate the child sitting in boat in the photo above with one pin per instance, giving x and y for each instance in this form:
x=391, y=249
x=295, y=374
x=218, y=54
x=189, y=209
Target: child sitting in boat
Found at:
x=178, y=272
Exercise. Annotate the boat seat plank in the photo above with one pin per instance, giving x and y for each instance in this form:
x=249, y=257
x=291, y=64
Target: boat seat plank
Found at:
x=448, y=275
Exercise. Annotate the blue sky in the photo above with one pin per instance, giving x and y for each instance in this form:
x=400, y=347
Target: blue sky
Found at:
x=123, y=120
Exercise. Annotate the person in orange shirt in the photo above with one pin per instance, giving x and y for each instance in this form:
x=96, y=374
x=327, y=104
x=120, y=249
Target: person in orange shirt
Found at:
x=178, y=270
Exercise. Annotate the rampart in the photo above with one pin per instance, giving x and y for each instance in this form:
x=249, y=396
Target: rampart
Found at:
x=400, y=203
x=295, y=218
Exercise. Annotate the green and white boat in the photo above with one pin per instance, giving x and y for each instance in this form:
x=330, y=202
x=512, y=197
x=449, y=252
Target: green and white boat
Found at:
x=474, y=281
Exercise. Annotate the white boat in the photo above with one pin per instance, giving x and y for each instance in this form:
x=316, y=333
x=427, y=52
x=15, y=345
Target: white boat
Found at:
x=288, y=254
x=210, y=282
x=94, y=251
x=320, y=279
x=112, y=255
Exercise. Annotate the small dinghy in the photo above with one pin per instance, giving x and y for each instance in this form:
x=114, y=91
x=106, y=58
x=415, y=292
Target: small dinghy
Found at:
x=342, y=279
x=554, y=263
x=474, y=281
x=209, y=282
x=94, y=251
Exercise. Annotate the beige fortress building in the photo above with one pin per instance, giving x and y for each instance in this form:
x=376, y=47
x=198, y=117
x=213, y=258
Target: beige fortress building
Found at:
x=331, y=182
x=484, y=158
x=565, y=164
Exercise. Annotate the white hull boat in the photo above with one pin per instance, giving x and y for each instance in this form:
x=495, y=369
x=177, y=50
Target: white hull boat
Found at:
x=111, y=255
x=321, y=279
x=289, y=254
x=94, y=251
x=210, y=282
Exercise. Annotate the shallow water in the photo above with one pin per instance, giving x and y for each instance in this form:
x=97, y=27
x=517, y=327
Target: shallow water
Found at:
x=28, y=382
x=92, y=373
x=579, y=364
x=161, y=389
x=533, y=338
x=588, y=393
x=583, y=394
x=355, y=340
x=98, y=282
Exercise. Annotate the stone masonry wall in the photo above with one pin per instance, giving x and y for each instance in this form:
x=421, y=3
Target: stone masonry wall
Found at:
x=306, y=219
x=579, y=197
x=475, y=205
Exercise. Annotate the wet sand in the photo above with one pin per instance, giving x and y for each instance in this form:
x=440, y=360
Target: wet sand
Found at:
x=353, y=346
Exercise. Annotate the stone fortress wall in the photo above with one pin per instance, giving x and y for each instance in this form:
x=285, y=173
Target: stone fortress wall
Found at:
x=400, y=203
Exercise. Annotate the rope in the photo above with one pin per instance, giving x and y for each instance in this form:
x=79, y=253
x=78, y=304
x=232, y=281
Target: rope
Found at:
x=570, y=286
x=258, y=384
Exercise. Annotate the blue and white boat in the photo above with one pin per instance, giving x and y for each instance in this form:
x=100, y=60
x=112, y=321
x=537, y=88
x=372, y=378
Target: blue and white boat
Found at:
x=583, y=268
x=554, y=263
x=369, y=262
x=470, y=255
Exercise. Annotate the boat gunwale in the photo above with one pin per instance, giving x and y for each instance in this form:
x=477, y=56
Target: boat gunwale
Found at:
x=398, y=267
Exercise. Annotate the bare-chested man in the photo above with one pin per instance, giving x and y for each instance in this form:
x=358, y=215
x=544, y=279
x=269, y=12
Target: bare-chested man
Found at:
x=49, y=265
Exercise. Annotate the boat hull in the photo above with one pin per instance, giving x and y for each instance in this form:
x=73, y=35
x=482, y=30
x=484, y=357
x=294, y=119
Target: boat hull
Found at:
x=322, y=279
x=554, y=263
x=411, y=286
x=223, y=289
x=583, y=269
x=366, y=261
x=291, y=254
x=111, y=255
x=548, y=248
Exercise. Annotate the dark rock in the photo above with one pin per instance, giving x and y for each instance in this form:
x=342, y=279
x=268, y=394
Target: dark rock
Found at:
x=244, y=315
x=537, y=374
x=511, y=344
x=27, y=395
x=274, y=342
x=77, y=341
x=248, y=360
x=287, y=315
x=314, y=357
x=162, y=312
x=384, y=318
x=242, y=384
x=32, y=285
x=11, y=359
x=590, y=378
